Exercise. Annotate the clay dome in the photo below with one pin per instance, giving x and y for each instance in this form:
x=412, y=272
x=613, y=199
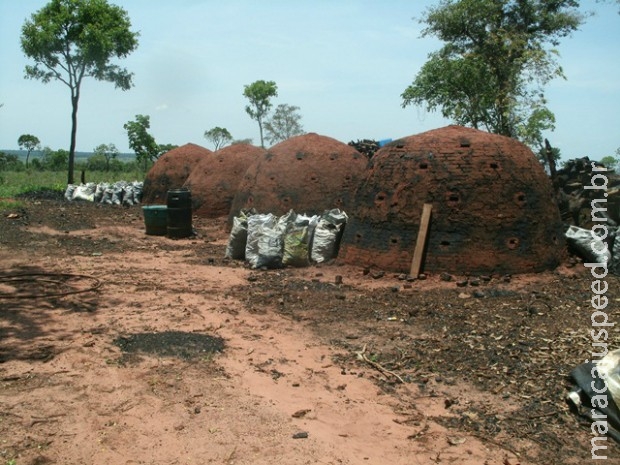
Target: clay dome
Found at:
x=493, y=208
x=214, y=181
x=309, y=174
x=171, y=171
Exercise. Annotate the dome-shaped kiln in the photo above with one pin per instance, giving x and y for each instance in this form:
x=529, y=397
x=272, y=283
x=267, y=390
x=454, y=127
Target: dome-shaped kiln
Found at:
x=171, y=171
x=215, y=180
x=493, y=206
x=309, y=174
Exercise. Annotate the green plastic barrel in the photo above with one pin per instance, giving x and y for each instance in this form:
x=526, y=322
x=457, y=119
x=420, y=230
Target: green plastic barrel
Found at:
x=156, y=219
x=179, y=203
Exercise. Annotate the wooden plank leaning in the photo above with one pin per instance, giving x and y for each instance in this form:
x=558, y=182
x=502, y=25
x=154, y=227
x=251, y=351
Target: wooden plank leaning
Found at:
x=418, y=253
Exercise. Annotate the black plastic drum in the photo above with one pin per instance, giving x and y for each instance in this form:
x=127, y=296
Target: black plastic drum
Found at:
x=179, y=203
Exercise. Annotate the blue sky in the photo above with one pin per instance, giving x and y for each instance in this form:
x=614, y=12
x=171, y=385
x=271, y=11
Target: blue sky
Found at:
x=344, y=63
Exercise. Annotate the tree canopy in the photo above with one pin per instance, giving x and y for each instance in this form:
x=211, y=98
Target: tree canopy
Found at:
x=218, y=136
x=142, y=142
x=70, y=40
x=105, y=152
x=259, y=94
x=29, y=143
x=247, y=140
x=495, y=62
x=283, y=124
x=611, y=162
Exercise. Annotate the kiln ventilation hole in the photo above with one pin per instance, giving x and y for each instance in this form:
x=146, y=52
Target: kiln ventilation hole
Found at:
x=520, y=198
x=453, y=198
x=512, y=243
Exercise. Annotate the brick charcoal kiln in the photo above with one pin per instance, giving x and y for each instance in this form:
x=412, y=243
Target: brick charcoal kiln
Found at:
x=214, y=181
x=310, y=173
x=493, y=206
x=171, y=171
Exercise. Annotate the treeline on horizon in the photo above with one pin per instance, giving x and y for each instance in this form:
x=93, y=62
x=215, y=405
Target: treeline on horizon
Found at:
x=57, y=160
x=21, y=155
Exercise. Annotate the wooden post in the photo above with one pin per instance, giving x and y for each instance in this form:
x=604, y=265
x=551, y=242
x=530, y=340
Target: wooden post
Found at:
x=416, y=262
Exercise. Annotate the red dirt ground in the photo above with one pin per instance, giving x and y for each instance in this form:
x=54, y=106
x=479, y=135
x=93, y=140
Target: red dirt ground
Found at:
x=483, y=367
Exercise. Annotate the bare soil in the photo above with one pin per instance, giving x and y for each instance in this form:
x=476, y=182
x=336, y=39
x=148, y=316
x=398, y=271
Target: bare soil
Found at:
x=117, y=347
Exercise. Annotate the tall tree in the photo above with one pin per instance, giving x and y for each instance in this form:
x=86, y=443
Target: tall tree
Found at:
x=218, y=136
x=495, y=62
x=29, y=143
x=108, y=152
x=141, y=141
x=283, y=124
x=259, y=93
x=70, y=40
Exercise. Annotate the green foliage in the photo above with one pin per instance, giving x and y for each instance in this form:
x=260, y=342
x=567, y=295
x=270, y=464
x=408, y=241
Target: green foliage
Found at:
x=10, y=162
x=29, y=143
x=541, y=154
x=248, y=141
x=163, y=148
x=98, y=162
x=70, y=40
x=495, y=62
x=107, y=152
x=142, y=143
x=259, y=94
x=14, y=183
x=52, y=160
x=611, y=162
x=218, y=136
x=530, y=131
x=284, y=124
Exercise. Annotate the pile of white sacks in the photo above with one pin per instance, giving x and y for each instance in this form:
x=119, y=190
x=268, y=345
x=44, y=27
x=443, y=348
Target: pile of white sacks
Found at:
x=118, y=193
x=268, y=241
x=593, y=248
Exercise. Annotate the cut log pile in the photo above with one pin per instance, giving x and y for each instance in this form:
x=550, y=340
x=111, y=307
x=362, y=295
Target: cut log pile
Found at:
x=588, y=196
x=582, y=181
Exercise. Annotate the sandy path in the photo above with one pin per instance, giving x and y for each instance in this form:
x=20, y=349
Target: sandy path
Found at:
x=274, y=379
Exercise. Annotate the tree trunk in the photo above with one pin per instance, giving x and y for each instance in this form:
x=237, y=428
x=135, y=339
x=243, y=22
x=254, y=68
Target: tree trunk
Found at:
x=75, y=97
x=260, y=129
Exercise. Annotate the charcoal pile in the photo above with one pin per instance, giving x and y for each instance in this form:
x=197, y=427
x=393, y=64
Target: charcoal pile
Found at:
x=366, y=146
